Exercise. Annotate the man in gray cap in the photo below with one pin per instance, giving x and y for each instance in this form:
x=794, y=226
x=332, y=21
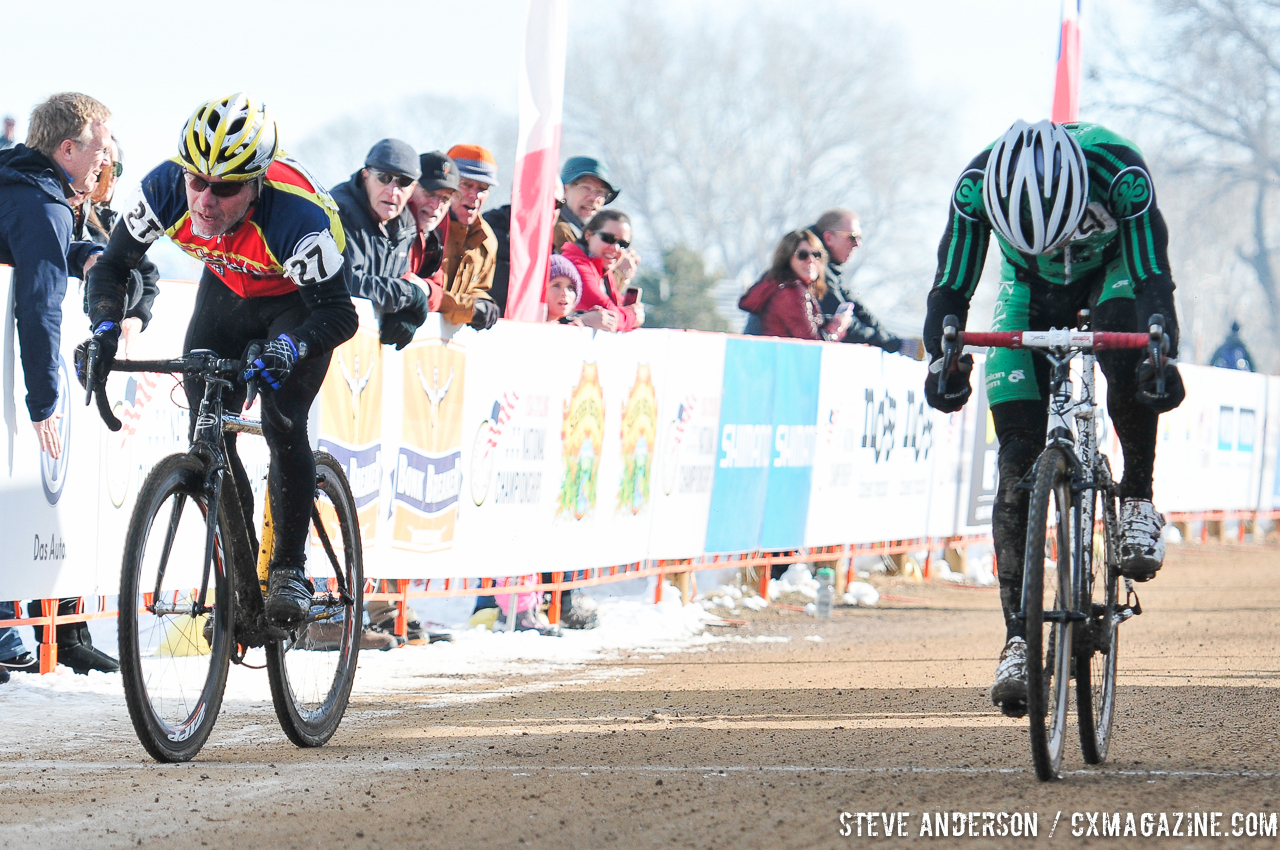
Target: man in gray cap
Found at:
x=380, y=230
x=586, y=189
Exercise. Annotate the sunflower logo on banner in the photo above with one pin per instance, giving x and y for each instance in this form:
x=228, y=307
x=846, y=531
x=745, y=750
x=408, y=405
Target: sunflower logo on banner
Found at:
x=351, y=421
x=639, y=427
x=582, y=434
x=428, y=473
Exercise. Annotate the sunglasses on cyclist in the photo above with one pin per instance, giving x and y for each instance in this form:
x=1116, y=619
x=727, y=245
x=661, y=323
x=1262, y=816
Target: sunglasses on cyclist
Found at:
x=610, y=239
x=804, y=254
x=855, y=238
x=220, y=190
x=402, y=180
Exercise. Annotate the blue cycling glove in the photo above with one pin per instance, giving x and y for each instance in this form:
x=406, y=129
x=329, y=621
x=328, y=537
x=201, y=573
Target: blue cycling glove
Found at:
x=270, y=361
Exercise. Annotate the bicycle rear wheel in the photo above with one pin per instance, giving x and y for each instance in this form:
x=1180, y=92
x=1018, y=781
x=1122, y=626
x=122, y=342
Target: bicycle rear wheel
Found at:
x=1046, y=595
x=311, y=673
x=1097, y=645
x=173, y=674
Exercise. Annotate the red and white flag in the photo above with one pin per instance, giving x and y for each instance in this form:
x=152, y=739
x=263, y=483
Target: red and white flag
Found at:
x=533, y=190
x=1066, y=89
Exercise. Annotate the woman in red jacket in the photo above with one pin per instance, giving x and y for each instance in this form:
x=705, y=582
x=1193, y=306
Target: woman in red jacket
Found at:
x=604, y=259
x=788, y=298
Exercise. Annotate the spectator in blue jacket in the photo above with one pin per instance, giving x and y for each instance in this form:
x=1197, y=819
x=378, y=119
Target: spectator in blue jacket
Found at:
x=68, y=145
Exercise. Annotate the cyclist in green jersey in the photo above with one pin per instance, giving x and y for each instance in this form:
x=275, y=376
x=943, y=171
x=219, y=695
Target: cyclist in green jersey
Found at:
x=1073, y=210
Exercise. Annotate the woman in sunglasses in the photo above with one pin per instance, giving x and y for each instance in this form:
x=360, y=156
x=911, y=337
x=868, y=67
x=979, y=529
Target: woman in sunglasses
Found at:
x=788, y=298
x=604, y=259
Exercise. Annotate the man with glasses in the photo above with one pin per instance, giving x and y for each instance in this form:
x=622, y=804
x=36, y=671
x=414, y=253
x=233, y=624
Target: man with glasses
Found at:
x=41, y=184
x=380, y=230
x=274, y=291
x=470, y=246
x=841, y=233
x=587, y=189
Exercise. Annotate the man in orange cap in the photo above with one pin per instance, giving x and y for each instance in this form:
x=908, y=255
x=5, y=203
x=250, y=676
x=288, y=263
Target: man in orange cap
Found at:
x=470, y=246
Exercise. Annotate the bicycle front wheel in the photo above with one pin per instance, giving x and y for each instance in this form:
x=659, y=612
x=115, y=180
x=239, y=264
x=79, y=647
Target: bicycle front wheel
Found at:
x=312, y=672
x=1047, y=599
x=175, y=643
x=1096, y=647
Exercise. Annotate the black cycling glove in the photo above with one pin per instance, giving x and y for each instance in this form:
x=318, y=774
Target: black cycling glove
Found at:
x=271, y=361
x=485, y=314
x=957, y=391
x=399, y=327
x=1174, y=391
x=108, y=336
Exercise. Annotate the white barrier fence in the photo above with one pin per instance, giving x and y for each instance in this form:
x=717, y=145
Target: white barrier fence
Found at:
x=547, y=448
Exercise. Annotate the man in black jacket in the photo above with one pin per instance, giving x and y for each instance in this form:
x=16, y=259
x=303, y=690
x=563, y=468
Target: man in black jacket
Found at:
x=841, y=235
x=40, y=183
x=380, y=231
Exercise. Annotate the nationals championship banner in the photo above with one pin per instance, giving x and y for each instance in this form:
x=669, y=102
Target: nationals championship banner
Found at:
x=540, y=447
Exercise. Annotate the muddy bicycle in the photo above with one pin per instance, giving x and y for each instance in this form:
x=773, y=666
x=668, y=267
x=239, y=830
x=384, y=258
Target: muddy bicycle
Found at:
x=193, y=579
x=1071, y=574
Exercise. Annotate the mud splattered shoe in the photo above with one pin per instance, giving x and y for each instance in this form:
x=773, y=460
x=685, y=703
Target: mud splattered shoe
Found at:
x=1009, y=692
x=289, y=594
x=1141, y=544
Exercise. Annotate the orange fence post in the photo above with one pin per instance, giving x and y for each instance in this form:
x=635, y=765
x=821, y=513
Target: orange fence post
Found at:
x=657, y=589
x=553, y=610
x=49, y=641
x=402, y=607
x=764, y=581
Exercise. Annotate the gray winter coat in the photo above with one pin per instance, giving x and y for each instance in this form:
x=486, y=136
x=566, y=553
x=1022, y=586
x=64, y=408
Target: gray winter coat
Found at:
x=378, y=260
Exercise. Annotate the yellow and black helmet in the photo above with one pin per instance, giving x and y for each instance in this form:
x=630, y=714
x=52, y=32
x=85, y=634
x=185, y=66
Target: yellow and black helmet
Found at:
x=230, y=137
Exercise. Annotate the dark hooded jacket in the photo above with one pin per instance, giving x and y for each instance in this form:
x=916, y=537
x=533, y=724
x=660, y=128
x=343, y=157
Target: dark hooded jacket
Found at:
x=36, y=238
x=499, y=221
x=378, y=257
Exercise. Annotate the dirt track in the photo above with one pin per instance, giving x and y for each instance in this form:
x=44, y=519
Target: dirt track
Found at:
x=746, y=744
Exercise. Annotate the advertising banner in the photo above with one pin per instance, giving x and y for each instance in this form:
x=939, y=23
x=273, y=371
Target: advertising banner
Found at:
x=543, y=448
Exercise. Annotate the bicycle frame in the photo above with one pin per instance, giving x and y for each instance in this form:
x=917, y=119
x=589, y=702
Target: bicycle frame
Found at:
x=208, y=444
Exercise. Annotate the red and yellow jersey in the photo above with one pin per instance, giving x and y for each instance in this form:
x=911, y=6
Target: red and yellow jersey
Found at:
x=291, y=236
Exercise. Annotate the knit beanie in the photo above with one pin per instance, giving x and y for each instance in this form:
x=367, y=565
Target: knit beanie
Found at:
x=475, y=163
x=564, y=267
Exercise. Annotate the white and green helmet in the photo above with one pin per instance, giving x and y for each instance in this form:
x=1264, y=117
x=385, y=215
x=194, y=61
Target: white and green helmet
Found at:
x=1036, y=186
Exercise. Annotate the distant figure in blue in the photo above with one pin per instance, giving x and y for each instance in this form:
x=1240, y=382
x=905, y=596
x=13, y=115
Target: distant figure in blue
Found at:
x=1232, y=354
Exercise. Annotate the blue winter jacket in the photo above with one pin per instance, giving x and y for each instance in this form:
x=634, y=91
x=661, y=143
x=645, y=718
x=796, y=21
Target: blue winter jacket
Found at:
x=36, y=227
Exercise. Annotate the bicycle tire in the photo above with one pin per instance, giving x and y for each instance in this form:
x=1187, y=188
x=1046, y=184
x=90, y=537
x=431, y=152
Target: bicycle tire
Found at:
x=173, y=687
x=1096, y=656
x=1048, y=641
x=311, y=686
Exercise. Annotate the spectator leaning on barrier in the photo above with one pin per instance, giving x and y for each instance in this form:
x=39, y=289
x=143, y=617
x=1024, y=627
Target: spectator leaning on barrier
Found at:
x=586, y=190
x=99, y=218
x=7, y=139
x=788, y=298
x=40, y=183
x=380, y=231
x=604, y=259
x=841, y=233
x=1233, y=354
x=470, y=248
x=564, y=289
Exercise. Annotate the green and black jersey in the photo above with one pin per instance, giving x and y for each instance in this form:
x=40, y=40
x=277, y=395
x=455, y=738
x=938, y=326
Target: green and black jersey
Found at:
x=1122, y=238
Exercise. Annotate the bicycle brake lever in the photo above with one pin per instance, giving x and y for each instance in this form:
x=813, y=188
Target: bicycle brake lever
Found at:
x=950, y=332
x=90, y=365
x=1158, y=345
